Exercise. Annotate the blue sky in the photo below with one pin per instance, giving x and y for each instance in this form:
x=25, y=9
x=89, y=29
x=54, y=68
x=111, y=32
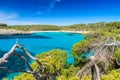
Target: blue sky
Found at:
x=58, y=12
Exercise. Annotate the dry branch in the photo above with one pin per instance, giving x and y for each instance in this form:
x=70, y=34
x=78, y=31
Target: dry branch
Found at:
x=103, y=53
x=6, y=56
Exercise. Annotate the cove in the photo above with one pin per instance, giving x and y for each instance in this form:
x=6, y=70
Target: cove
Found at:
x=36, y=43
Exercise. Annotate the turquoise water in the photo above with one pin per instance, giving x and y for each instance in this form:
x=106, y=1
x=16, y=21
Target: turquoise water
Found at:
x=37, y=43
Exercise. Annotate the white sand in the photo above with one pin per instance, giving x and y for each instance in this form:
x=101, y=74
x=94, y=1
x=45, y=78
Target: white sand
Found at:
x=12, y=31
x=80, y=32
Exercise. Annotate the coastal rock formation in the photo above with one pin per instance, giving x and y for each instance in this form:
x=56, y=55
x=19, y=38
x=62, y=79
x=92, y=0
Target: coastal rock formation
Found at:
x=12, y=32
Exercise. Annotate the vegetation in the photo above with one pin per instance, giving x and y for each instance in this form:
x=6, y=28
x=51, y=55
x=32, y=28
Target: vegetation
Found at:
x=116, y=54
x=112, y=75
x=2, y=25
x=32, y=27
x=100, y=26
x=78, y=50
x=55, y=60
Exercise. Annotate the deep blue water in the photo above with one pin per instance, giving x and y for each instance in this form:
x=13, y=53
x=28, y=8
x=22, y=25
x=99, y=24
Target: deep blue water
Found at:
x=36, y=43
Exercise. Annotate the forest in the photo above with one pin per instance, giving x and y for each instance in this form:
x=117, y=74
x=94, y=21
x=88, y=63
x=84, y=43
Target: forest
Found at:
x=103, y=41
x=104, y=26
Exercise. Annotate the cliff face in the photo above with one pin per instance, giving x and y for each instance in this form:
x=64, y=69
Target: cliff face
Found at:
x=11, y=32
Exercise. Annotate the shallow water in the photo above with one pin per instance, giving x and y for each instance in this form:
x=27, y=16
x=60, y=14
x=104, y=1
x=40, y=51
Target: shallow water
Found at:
x=37, y=43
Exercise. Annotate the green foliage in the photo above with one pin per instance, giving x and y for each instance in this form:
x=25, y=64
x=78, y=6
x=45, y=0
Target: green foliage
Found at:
x=86, y=78
x=112, y=75
x=24, y=76
x=36, y=27
x=118, y=37
x=78, y=50
x=109, y=34
x=3, y=25
x=65, y=78
x=73, y=78
x=53, y=60
x=116, y=54
x=69, y=71
x=5, y=79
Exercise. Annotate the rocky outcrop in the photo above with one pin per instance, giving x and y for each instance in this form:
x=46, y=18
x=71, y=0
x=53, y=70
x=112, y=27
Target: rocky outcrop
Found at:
x=12, y=32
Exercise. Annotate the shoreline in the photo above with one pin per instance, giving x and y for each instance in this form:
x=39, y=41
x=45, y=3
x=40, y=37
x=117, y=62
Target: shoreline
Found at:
x=12, y=32
x=79, y=32
x=19, y=32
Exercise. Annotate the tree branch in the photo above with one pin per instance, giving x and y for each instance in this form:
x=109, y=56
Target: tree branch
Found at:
x=11, y=52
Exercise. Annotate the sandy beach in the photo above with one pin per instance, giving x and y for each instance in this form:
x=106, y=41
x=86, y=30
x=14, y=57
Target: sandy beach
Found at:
x=12, y=31
x=80, y=32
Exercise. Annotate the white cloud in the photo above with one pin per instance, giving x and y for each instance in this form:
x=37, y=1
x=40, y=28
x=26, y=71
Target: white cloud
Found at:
x=50, y=4
x=58, y=0
x=16, y=22
x=39, y=12
x=11, y=19
x=7, y=16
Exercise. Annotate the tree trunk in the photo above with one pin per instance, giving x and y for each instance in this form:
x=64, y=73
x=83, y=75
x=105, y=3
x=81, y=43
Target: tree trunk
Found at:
x=95, y=72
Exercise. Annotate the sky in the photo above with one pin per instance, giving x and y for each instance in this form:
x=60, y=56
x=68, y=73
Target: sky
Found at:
x=58, y=12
